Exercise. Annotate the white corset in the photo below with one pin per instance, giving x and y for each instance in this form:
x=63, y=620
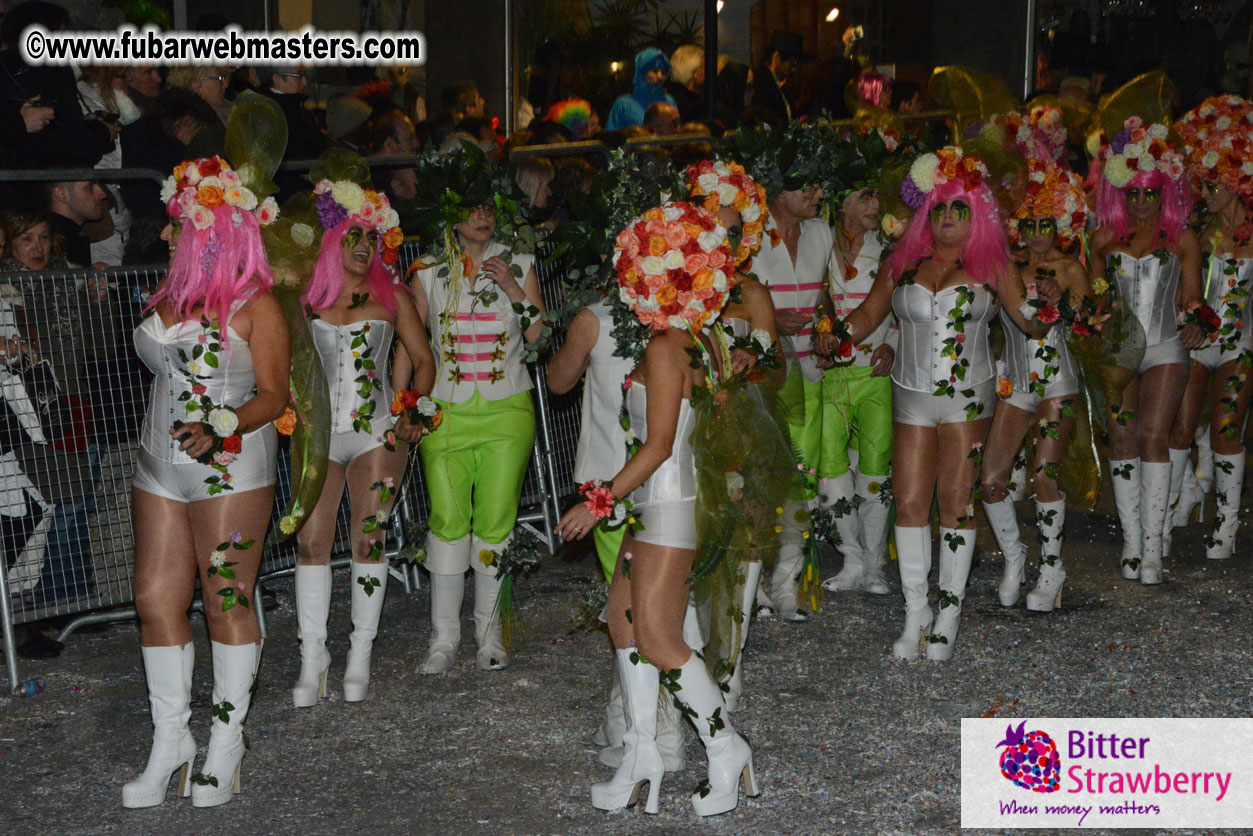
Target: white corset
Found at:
x=925, y=324
x=339, y=359
x=1021, y=350
x=230, y=383
x=602, y=441
x=1237, y=311
x=1149, y=286
x=478, y=345
x=675, y=479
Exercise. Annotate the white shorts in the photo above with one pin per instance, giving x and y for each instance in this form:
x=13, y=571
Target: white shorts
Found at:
x=671, y=524
x=253, y=468
x=1029, y=401
x=1163, y=354
x=923, y=409
x=1213, y=356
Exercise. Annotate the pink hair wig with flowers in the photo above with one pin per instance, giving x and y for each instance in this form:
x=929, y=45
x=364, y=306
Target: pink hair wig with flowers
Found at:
x=985, y=255
x=216, y=267
x=1176, y=205
x=327, y=281
x=872, y=87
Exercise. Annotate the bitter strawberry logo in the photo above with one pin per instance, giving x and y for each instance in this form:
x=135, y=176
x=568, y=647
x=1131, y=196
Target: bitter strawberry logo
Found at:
x=1030, y=759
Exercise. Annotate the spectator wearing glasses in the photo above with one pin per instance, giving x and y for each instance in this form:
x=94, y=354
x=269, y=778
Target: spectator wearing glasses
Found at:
x=305, y=141
x=687, y=84
x=209, y=83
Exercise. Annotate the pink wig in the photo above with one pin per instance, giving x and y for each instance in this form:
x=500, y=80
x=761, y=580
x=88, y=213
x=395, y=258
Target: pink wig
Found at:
x=1176, y=206
x=986, y=253
x=328, y=272
x=871, y=88
x=216, y=267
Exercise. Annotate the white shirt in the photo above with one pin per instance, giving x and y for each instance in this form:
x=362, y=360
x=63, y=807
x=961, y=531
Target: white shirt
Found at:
x=797, y=287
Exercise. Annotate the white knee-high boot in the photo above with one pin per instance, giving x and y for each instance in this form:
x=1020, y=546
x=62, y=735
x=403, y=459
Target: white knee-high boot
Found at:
x=1004, y=521
x=730, y=758
x=1180, y=461
x=913, y=554
x=1204, y=460
x=1228, y=488
x=957, y=547
x=168, y=673
x=1154, y=490
x=313, y=606
x=234, y=673
x=369, y=587
x=1051, y=518
x=872, y=520
x=609, y=734
x=735, y=684
x=830, y=493
x=785, y=579
x=447, y=562
x=492, y=655
x=1125, y=476
x=641, y=761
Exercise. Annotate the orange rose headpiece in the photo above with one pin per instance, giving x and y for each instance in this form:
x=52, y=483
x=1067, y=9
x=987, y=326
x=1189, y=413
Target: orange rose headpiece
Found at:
x=931, y=170
x=674, y=267
x=1218, y=143
x=199, y=187
x=1053, y=191
x=722, y=184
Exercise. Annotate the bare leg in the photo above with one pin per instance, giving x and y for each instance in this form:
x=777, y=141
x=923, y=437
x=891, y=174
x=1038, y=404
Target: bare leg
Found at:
x=1184, y=428
x=1009, y=427
x=913, y=473
x=369, y=476
x=658, y=592
x=317, y=535
x=1230, y=408
x=165, y=569
x=1050, y=451
x=217, y=521
x=1160, y=393
x=958, y=470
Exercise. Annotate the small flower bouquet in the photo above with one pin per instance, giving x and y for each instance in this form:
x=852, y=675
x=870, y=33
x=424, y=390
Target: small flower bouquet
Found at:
x=1202, y=316
x=519, y=558
x=419, y=409
x=608, y=509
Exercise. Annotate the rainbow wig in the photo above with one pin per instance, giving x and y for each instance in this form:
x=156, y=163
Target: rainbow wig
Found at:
x=574, y=114
x=327, y=281
x=986, y=253
x=219, y=258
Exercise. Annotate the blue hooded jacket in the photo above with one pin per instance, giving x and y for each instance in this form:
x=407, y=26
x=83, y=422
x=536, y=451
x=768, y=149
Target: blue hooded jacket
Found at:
x=629, y=108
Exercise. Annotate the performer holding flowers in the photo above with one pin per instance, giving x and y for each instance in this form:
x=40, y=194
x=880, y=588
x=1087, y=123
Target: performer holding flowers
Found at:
x=1144, y=250
x=357, y=307
x=673, y=269
x=218, y=345
x=481, y=303
x=1218, y=142
x=1039, y=396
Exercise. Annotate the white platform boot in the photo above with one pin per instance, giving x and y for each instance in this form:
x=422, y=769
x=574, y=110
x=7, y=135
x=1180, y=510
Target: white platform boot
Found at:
x=491, y=655
x=313, y=606
x=872, y=520
x=447, y=562
x=1004, y=521
x=609, y=733
x=957, y=547
x=785, y=579
x=1154, y=491
x=1125, y=476
x=1228, y=487
x=234, y=674
x=168, y=673
x=735, y=684
x=1180, y=462
x=913, y=554
x=851, y=575
x=641, y=760
x=1051, y=519
x=369, y=588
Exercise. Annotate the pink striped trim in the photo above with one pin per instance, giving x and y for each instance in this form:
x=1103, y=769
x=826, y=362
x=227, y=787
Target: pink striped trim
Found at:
x=478, y=317
x=808, y=310
x=795, y=288
x=849, y=295
x=798, y=355
x=477, y=338
x=804, y=332
x=477, y=357
x=478, y=377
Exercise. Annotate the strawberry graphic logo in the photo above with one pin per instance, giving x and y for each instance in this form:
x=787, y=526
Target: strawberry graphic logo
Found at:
x=1030, y=759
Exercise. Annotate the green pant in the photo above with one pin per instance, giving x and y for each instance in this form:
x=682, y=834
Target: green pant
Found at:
x=608, y=544
x=857, y=413
x=801, y=404
x=474, y=465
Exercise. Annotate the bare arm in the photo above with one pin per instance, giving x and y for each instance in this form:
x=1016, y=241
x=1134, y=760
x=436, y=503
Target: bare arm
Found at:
x=402, y=366
x=1012, y=292
x=1190, y=286
x=417, y=348
x=874, y=309
x=571, y=360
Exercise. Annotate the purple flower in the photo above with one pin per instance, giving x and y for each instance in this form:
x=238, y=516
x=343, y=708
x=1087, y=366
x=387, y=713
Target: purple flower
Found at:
x=911, y=194
x=236, y=537
x=1121, y=140
x=330, y=213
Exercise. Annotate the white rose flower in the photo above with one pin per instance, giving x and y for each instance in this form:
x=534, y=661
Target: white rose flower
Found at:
x=727, y=193
x=1146, y=163
x=192, y=174
x=223, y=421
x=427, y=407
x=762, y=337
x=720, y=281
x=201, y=217
x=194, y=415
x=617, y=514
x=708, y=240
x=672, y=213
x=707, y=182
x=210, y=181
x=1222, y=123
x=1247, y=168
x=735, y=484
x=673, y=260
x=750, y=213
x=1027, y=311
x=1157, y=131
x=1210, y=159
x=652, y=265
x=169, y=188
x=302, y=235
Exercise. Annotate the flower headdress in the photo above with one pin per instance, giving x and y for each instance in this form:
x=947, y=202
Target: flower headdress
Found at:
x=343, y=200
x=1057, y=192
x=674, y=267
x=726, y=184
x=1041, y=132
x=1218, y=143
x=1134, y=149
x=946, y=165
x=199, y=188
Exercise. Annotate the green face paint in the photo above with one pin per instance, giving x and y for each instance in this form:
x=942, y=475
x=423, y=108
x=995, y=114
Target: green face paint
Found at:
x=960, y=208
x=1143, y=195
x=354, y=235
x=1030, y=226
